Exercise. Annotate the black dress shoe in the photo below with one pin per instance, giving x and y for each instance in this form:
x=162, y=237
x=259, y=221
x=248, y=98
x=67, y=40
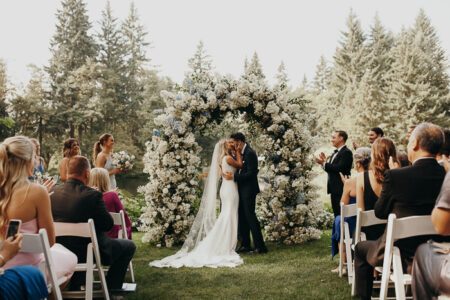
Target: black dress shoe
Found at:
x=260, y=251
x=243, y=249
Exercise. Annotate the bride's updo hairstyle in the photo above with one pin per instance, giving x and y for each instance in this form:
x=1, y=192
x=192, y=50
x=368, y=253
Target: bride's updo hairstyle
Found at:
x=98, y=146
x=16, y=161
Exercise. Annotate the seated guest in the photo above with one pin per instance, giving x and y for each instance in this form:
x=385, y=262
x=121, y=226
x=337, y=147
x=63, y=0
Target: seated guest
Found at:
x=406, y=192
x=427, y=281
x=361, y=158
x=21, y=282
x=99, y=179
x=369, y=183
x=444, y=153
x=75, y=202
x=402, y=157
x=29, y=202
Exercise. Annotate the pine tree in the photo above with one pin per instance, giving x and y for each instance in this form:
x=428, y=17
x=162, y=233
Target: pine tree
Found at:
x=254, y=67
x=322, y=76
x=111, y=58
x=348, y=69
x=372, y=93
x=136, y=60
x=282, y=81
x=199, y=78
x=72, y=47
x=6, y=123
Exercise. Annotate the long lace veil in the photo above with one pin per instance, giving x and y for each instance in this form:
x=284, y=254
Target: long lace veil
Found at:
x=206, y=215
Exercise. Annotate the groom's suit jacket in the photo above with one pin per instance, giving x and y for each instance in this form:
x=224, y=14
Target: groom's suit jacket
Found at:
x=342, y=162
x=247, y=177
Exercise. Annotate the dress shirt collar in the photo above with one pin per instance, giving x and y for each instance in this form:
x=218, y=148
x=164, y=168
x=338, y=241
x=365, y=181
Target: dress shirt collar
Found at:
x=243, y=149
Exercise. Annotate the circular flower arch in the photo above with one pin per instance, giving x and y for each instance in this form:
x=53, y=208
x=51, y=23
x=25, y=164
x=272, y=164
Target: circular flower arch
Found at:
x=277, y=123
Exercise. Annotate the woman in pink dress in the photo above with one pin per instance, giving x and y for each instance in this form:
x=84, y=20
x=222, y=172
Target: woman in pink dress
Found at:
x=99, y=179
x=28, y=202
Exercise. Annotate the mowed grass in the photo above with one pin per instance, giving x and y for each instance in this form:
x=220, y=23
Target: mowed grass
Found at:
x=286, y=272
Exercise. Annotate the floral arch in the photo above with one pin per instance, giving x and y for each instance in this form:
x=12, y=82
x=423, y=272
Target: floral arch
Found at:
x=278, y=123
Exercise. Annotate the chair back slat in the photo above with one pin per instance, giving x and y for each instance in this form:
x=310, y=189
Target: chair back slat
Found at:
x=116, y=218
x=413, y=226
x=72, y=229
x=31, y=243
x=348, y=210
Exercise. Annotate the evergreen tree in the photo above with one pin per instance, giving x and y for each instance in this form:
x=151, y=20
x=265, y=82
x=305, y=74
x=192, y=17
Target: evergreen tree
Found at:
x=199, y=78
x=72, y=47
x=111, y=58
x=348, y=69
x=371, y=97
x=6, y=123
x=282, y=81
x=322, y=76
x=136, y=59
x=254, y=68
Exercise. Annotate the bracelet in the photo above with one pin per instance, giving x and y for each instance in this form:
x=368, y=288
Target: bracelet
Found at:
x=3, y=260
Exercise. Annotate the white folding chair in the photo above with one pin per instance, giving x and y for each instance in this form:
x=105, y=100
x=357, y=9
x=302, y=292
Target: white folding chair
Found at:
x=346, y=240
x=400, y=229
x=38, y=243
x=119, y=219
x=86, y=230
x=363, y=219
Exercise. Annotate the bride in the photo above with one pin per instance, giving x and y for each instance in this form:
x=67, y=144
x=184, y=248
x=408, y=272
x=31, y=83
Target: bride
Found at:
x=211, y=242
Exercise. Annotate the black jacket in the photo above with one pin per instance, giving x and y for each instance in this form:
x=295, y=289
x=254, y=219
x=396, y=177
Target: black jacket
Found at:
x=408, y=191
x=341, y=163
x=74, y=202
x=247, y=177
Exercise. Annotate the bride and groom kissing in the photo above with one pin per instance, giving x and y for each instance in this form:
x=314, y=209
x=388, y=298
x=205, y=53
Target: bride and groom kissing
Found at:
x=212, y=241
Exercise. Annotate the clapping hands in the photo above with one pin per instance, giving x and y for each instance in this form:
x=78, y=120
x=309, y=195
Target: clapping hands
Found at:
x=393, y=164
x=321, y=159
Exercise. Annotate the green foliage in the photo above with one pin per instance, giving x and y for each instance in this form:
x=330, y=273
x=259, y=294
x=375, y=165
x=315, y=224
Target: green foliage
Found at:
x=133, y=205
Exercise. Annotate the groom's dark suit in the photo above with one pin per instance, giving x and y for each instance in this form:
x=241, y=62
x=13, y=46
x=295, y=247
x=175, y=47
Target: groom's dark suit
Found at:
x=248, y=188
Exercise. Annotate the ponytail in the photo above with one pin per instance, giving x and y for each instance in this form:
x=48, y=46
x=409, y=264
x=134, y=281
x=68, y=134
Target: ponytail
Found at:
x=98, y=146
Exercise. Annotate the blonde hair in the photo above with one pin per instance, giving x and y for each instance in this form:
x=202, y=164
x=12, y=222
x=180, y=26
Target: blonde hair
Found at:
x=16, y=155
x=99, y=178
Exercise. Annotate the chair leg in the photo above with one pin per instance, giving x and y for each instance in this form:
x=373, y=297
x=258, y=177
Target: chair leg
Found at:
x=89, y=273
x=130, y=266
x=101, y=274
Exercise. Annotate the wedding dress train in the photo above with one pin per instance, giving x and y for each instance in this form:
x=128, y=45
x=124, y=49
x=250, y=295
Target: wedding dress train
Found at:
x=217, y=247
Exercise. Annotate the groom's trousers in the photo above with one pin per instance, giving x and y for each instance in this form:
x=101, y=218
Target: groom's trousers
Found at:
x=248, y=222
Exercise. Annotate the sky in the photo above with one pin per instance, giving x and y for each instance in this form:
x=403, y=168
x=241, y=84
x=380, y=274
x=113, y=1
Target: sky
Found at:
x=297, y=32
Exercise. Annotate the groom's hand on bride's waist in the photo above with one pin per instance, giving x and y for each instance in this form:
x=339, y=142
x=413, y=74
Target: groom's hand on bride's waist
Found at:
x=228, y=175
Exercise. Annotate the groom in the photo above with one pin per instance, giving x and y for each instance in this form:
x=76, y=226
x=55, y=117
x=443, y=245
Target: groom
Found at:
x=248, y=188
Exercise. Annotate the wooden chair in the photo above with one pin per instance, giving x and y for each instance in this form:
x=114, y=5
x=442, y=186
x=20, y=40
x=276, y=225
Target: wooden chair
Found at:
x=119, y=219
x=38, y=243
x=400, y=229
x=363, y=219
x=346, y=240
x=86, y=230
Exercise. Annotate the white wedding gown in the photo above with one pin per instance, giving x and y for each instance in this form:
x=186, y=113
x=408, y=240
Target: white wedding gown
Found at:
x=217, y=249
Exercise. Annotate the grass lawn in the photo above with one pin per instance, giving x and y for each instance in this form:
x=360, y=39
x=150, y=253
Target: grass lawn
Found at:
x=294, y=272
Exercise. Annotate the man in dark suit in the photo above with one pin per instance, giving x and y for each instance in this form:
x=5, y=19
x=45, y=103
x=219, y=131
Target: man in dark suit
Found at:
x=339, y=162
x=248, y=188
x=75, y=202
x=407, y=191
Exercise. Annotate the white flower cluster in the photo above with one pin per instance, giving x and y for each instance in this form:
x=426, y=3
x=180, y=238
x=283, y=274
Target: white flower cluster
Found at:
x=287, y=207
x=123, y=160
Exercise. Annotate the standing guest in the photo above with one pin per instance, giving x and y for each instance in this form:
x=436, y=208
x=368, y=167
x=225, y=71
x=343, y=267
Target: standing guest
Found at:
x=372, y=135
x=444, y=153
x=71, y=148
x=402, y=157
x=102, y=157
x=339, y=162
x=362, y=161
x=28, y=202
x=99, y=179
x=21, y=282
x=408, y=191
x=39, y=165
x=429, y=278
x=75, y=202
x=369, y=183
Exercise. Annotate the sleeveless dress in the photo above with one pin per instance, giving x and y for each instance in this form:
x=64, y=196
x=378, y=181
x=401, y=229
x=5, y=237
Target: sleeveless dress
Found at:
x=375, y=231
x=109, y=166
x=64, y=260
x=336, y=230
x=217, y=248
